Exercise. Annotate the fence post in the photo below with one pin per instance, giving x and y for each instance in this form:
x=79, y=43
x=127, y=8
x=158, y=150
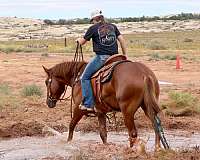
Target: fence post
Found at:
x=65, y=42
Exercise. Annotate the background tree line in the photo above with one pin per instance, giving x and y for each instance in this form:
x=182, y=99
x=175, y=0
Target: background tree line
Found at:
x=182, y=16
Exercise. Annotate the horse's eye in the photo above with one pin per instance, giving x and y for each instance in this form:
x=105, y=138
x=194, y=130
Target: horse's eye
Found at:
x=46, y=82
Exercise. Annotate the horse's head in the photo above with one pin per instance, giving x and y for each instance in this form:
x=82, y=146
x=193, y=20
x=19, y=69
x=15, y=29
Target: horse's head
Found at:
x=55, y=88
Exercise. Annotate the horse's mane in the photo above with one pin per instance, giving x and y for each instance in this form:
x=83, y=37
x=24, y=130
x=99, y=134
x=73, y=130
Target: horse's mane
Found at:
x=66, y=69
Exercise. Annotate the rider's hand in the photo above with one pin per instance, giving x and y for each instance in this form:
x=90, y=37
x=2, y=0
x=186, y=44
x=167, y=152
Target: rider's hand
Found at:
x=81, y=41
x=78, y=40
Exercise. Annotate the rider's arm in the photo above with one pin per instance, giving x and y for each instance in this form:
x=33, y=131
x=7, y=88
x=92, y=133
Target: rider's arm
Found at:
x=88, y=35
x=122, y=44
x=81, y=41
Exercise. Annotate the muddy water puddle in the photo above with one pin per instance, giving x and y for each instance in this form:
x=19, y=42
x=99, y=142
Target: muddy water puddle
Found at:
x=35, y=148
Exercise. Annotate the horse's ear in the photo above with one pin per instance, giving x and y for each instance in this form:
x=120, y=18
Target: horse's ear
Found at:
x=46, y=70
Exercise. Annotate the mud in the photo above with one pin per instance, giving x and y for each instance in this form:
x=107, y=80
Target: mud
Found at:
x=34, y=148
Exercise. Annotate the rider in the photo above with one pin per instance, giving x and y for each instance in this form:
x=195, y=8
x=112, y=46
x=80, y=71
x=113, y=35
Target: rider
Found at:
x=104, y=36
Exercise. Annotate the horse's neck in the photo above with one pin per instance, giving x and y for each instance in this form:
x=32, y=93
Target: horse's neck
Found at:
x=76, y=71
x=68, y=71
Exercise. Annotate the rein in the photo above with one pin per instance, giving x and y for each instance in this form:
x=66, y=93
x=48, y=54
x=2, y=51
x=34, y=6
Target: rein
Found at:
x=78, y=57
x=79, y=53
x=64, y=95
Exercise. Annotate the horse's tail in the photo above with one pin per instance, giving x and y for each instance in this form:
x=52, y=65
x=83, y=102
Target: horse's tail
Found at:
x=152, y=108
x=150, y=100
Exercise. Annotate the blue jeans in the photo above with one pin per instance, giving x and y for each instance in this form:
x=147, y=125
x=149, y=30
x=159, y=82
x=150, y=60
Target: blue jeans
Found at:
x=87, y=93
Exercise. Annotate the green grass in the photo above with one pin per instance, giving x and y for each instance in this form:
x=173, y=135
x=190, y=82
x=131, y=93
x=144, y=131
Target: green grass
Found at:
x=156, y=45
x=137, y=43
x=182, y=104
x=9, y=48
x=165, y=40
x=31, y=90
x=171, y=55
x=182, y=99
x=159, y=56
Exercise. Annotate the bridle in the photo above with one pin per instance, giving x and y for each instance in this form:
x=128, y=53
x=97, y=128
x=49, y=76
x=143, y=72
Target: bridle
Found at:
x=78, y=57
x=49, y=96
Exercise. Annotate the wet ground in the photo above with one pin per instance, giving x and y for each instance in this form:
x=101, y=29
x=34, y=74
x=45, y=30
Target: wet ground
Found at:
x=34, y=148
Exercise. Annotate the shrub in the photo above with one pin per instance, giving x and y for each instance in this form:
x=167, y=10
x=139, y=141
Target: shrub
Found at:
x=182, y=104
x=188, y=40
x=44, y=54
x=48, y=22
x=157, y=56
x=180, y=99
x=155, y=45
x=31, y=90
x=170, y=57
x=10, y=48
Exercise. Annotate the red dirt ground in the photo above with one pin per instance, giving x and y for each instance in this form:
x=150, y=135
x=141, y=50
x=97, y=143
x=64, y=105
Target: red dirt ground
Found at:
x=27, y=116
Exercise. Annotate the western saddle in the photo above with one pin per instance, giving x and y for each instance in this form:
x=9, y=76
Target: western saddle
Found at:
x=105, y=74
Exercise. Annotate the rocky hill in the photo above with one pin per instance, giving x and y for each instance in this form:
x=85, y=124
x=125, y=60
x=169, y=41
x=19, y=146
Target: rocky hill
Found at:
x=12, y=28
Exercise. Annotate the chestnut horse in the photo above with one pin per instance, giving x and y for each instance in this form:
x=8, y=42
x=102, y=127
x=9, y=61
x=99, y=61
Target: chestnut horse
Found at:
x=132, y=85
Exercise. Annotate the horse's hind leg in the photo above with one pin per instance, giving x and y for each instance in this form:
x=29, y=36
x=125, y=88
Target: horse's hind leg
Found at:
x=128, y=114
x=102, y=127
x=130, y=124
x=157, y=137
x=78, y=114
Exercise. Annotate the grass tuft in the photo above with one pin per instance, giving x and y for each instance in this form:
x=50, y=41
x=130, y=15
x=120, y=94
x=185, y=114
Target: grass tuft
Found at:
x=158, y=56
x=181, y=99
x=182, y=104
x=31, y=90
x=156, y=45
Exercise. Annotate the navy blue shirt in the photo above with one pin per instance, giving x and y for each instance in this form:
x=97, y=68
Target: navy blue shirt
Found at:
x=104, y=38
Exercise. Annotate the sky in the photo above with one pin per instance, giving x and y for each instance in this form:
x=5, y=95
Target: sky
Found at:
x=69, y=9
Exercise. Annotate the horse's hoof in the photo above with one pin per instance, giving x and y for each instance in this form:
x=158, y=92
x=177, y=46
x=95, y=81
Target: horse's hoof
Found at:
x=105, y=143
x=158, y=149
x=69, y=140
x=132, y=141
x=141, y=149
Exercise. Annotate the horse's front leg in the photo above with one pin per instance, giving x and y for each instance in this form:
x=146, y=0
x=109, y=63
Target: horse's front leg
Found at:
x=77, y=115
x=102, y=127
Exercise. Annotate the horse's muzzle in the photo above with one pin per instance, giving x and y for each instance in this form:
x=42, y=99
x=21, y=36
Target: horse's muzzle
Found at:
x=51, y=103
